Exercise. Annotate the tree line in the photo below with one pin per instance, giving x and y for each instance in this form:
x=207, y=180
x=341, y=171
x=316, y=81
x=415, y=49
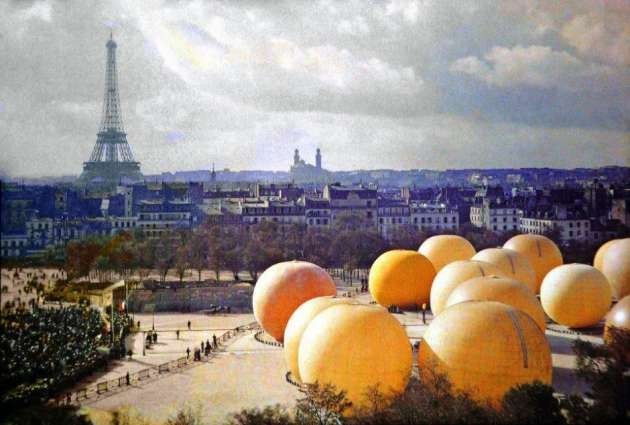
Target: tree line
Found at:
x=351, y=243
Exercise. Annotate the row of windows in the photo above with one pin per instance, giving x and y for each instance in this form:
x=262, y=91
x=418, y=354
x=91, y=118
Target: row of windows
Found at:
x=398, y=220
x=124, y=224
x=14, y=244
x=165, y=216
x=317, y=221
x=514, y=220
x=272, y=210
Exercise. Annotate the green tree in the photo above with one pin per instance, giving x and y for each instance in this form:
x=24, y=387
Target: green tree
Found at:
x=531, y=403
x=606, y=368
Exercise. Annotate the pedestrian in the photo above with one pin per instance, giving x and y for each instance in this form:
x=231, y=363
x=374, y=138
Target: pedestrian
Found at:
x=189, y=325
x=214, y=340
x=155, y=337
x=187, y=352
x=208, y=346
x=128, y=378
x=202, y=346
x=424, y=310
x=177, y=333
x=138, y=324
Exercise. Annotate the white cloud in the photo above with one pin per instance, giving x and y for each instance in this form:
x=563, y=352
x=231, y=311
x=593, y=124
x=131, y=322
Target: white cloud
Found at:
x=355, y=26
x=535, y=66
x=38, y=10
x=408, y=9
x=597, y=30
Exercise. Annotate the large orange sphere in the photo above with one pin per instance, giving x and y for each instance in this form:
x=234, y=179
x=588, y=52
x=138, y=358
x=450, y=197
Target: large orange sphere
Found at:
x=300, y=318
x=575, y=295
x=512, y=263
x=356, y=348
x=619, y=315
x=454, y=274
x=598, y=260
x=401, y=278
x=504, y=290
x=542, y=253
x=282, y=288
x=616, y=267
x=485, y=348
x=444, y=249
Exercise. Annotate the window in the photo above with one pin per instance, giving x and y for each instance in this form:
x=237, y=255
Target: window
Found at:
x=380, y=220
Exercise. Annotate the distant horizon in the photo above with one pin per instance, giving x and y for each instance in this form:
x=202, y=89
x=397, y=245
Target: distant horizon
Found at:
x=218, y=170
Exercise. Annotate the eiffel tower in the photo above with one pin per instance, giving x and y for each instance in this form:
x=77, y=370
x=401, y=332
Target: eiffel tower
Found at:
x=111, y=162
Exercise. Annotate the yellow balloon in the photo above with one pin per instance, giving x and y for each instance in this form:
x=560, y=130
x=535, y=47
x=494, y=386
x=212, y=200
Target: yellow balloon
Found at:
x=298, y=322
x=282, y=288
x=598, y=260
x=504, y=290
x=453, y=275
x=616, y=267
x=575, y=295
x=511, y=263
x=542, y=253
x=444, y=249
x=401, y=278
x=356, y=348
x=485, y=348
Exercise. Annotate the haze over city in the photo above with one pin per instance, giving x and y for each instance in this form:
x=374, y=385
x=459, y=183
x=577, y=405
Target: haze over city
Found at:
x=400, y=84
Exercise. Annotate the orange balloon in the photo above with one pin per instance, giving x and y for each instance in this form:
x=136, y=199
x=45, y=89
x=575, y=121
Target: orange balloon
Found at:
x=619, y=315
x=542, y=253
x=511, y=263
x=616, y=267
x=575, y=295
x=504, y=290
x=356, y=348
x=444, y=249
x=298, y=322
x=401, y=278
x=598, y=260
x=282, y=288
x=485, y=348
x=453, y=275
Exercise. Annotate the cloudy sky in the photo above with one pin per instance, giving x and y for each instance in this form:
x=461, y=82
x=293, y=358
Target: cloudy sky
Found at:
x=384, y=84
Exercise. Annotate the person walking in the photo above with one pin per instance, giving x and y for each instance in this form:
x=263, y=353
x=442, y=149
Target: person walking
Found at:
x=128, y=378
x=187, y=352
x=424, y=311
x=189, y=325
x=177, y=333
x=214, y=340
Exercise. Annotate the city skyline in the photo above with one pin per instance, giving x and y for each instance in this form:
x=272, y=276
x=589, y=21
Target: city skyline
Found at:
x=399, y=85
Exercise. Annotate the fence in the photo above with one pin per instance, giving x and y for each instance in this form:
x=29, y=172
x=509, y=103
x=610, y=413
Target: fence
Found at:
x=109, y=386
x=258, y=336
